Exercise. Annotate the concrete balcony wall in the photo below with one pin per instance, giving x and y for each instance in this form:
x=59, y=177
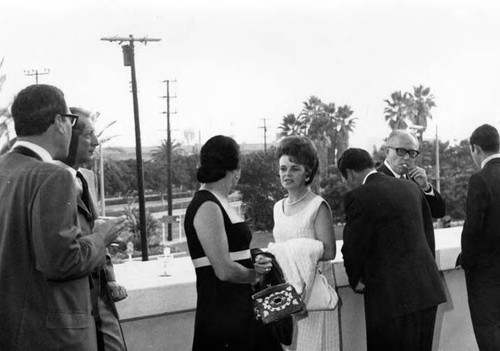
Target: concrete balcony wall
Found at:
x=159, y=312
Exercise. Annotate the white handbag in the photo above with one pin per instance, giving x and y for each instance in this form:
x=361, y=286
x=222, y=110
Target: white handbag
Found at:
x=322, y=296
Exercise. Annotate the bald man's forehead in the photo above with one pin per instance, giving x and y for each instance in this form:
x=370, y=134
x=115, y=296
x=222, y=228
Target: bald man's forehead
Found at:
x=404, y=140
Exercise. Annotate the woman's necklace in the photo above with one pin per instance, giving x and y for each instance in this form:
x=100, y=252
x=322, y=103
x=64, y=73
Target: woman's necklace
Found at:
x=299, y=200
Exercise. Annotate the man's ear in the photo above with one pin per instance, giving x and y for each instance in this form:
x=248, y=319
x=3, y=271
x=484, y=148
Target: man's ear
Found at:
x=59, y=124
x=476, y=149
x=350, y=174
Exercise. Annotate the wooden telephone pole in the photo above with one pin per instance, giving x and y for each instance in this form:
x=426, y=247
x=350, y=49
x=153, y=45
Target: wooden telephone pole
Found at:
x=129, y=60
x=169, y=161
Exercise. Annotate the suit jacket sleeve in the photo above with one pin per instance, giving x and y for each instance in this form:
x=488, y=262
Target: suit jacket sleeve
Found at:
x=357, y=234
x=437, y=205
x=475, y=209
x=60, y=251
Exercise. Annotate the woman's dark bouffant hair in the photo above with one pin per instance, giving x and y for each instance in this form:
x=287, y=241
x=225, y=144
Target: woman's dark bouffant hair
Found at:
x=219, y=155
x=301, y=150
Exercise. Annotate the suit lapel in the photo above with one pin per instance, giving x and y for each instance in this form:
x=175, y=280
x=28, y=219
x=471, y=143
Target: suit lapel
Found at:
x=383, y=169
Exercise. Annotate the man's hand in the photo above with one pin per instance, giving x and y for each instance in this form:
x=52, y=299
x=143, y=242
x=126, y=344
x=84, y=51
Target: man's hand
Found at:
x=110, y=228
x=418, y=174
x=118, y=292
x=360, y=288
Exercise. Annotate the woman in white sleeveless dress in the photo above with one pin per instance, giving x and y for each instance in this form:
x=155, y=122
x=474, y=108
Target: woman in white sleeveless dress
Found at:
x=304, y=214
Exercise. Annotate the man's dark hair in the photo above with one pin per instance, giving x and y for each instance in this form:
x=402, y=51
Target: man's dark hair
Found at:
x=35, y=108
x=486, y=136
x=354, y=159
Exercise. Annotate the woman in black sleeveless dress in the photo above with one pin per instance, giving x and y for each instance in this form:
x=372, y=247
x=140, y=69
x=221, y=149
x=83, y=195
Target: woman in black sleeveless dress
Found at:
x=218, y=241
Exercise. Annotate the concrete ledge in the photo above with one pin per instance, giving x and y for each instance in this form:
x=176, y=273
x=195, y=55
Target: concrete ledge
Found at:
x=151, y=293
x=159, y=311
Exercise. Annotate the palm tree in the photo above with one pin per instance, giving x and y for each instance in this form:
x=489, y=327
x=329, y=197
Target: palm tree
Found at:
x=407, y=110
x=99, y=166
x=292, y=125
x=400, y=110
x=6, y=139
x=344, y=124
x=319, y=116
x=424, y=102
x=160, y=153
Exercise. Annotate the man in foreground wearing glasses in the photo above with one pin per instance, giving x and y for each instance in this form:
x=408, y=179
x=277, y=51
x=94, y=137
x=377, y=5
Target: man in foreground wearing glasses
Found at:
x=45, y=262
x=402, y=151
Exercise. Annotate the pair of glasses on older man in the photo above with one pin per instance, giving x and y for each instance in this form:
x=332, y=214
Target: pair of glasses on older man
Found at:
x=73, y=118
x=402, y=152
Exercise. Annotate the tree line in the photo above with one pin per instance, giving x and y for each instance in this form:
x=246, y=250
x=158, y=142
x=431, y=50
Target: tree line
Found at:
x=329, y=125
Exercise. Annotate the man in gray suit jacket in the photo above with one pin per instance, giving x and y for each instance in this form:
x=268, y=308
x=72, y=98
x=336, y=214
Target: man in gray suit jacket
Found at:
x=480, y=257
x=389, y=256
x=45, y=262
x=105, y=290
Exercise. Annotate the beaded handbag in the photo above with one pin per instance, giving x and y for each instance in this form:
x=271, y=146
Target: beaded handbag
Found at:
x=277, y=302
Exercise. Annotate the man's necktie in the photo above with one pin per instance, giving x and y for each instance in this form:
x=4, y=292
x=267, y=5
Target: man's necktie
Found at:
x=85, y=195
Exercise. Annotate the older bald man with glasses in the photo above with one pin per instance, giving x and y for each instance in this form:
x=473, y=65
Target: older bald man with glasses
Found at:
x=402, y=152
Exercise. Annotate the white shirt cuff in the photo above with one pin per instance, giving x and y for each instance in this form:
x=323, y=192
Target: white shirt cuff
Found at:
x=430, y=191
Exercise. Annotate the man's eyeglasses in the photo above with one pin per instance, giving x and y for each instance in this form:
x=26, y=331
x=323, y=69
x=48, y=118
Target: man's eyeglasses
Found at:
x=402, y=152
x=73, y=118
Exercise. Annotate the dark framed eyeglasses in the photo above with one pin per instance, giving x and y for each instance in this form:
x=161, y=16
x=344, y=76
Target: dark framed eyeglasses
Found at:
x=402, y=152
x=73, y=118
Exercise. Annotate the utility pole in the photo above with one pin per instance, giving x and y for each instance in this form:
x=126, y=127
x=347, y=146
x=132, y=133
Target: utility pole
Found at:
x=265, y=134
x=36, y=73
x=129, y=61
x=169, y=160
x=438, y=182
x=101, y=180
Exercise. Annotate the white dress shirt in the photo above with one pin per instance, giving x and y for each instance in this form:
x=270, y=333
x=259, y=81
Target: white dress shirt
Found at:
x=488, y=159
x=40, y=151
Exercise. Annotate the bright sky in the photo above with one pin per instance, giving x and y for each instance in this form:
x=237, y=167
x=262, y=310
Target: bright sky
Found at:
x=238, y=62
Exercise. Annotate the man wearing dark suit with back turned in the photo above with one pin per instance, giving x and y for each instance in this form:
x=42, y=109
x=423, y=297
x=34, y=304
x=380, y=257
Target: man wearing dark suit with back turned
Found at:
x=480, y=256
x=402, y=151
x=45, y=262
x=389, y=256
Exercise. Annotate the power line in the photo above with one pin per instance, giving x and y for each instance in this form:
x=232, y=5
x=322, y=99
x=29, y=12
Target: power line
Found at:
x=36, y=73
